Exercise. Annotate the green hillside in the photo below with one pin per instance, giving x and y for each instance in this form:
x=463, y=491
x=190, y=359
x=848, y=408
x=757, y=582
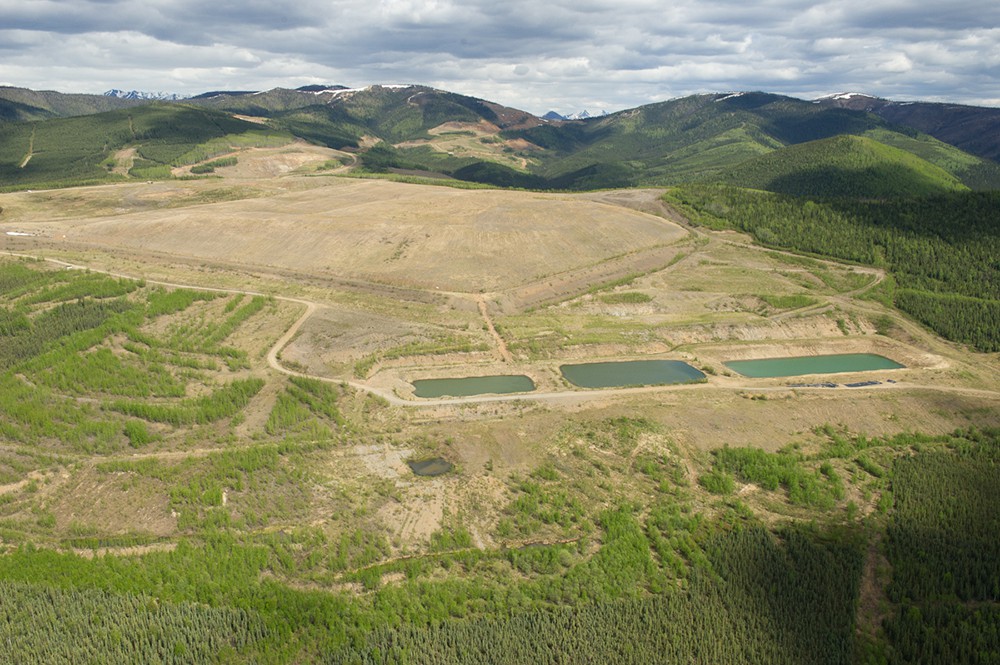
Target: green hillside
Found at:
x=21, y=104
x=846, y=165
x=696, y=138
x=752, y=139
x=79, y=150
x=975, y=172
x=693, y=137
x=704, y=137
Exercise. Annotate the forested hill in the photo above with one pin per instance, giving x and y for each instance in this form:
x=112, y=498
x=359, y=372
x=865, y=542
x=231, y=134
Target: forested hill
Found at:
x=843, y=166
x=22, y=105
x=974, y=129
x=144, y=143
x=700, y=138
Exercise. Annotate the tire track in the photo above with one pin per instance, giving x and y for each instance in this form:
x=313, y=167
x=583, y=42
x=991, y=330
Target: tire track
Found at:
x=31, y=150
x=501, y=345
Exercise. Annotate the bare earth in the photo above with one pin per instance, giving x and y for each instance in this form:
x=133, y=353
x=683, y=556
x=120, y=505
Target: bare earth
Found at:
x=418, y=236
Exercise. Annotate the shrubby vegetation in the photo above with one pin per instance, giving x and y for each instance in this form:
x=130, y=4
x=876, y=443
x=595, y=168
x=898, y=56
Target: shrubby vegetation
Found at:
x=55, y=332
x=209, y=167
x=625, y=298
x=820, y=488
x=222, y=403
x=307, y=408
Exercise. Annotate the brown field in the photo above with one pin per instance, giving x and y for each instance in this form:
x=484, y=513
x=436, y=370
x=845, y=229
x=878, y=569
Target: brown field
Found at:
x=413, y=236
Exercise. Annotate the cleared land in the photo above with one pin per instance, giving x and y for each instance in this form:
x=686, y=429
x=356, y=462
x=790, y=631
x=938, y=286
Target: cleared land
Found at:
x=412, y=281
x=406, y=235
x=376, y=284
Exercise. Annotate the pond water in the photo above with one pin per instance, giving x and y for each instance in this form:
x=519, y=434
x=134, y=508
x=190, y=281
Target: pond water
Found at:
x=473, y=385
x=799, y=365
x=436, y=466
x=630, y=373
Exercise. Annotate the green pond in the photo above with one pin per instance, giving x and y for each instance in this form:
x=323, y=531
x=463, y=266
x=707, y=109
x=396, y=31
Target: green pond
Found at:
x=430, y=467
x=799, y=365
x=473, y=385
x=630, y=373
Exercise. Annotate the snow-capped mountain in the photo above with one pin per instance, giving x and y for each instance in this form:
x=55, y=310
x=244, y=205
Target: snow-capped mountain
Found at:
x=582, y=115
x=138, y=94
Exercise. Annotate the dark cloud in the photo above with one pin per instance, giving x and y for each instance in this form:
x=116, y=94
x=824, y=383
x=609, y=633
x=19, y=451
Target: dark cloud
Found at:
x=561, y=54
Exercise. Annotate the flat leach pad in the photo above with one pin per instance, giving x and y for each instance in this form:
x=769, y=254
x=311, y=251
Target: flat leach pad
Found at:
x=435, y=238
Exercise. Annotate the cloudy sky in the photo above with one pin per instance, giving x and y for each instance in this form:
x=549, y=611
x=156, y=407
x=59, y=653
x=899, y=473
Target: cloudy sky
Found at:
x=537, y=55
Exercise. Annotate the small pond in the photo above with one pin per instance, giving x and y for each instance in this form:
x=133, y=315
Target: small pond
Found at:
x=630, y=373
x=435, y=466
x=799, y=365
x=473, y=385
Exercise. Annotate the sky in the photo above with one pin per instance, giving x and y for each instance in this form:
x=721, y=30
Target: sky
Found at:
x=536, y=55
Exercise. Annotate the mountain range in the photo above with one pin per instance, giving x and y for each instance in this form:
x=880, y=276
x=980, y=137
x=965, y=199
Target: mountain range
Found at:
x=582, y=115
x=746, y=138
x=145, y=96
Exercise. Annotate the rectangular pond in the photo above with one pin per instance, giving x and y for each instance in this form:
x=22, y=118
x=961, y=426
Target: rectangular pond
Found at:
x=630, y=373
x=473, y=385
x=799, y=365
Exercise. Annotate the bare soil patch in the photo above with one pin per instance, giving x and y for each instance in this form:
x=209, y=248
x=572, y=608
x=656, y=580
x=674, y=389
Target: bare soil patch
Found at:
x=124, y=159
x=414, y=520
x=111, y=504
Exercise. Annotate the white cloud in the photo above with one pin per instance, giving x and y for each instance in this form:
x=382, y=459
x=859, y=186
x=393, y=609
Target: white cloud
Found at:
x=897, y=63
x=562, y=54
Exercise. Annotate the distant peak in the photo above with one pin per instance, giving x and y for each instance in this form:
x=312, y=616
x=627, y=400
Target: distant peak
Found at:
x=584, y=115
x=138, y=94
